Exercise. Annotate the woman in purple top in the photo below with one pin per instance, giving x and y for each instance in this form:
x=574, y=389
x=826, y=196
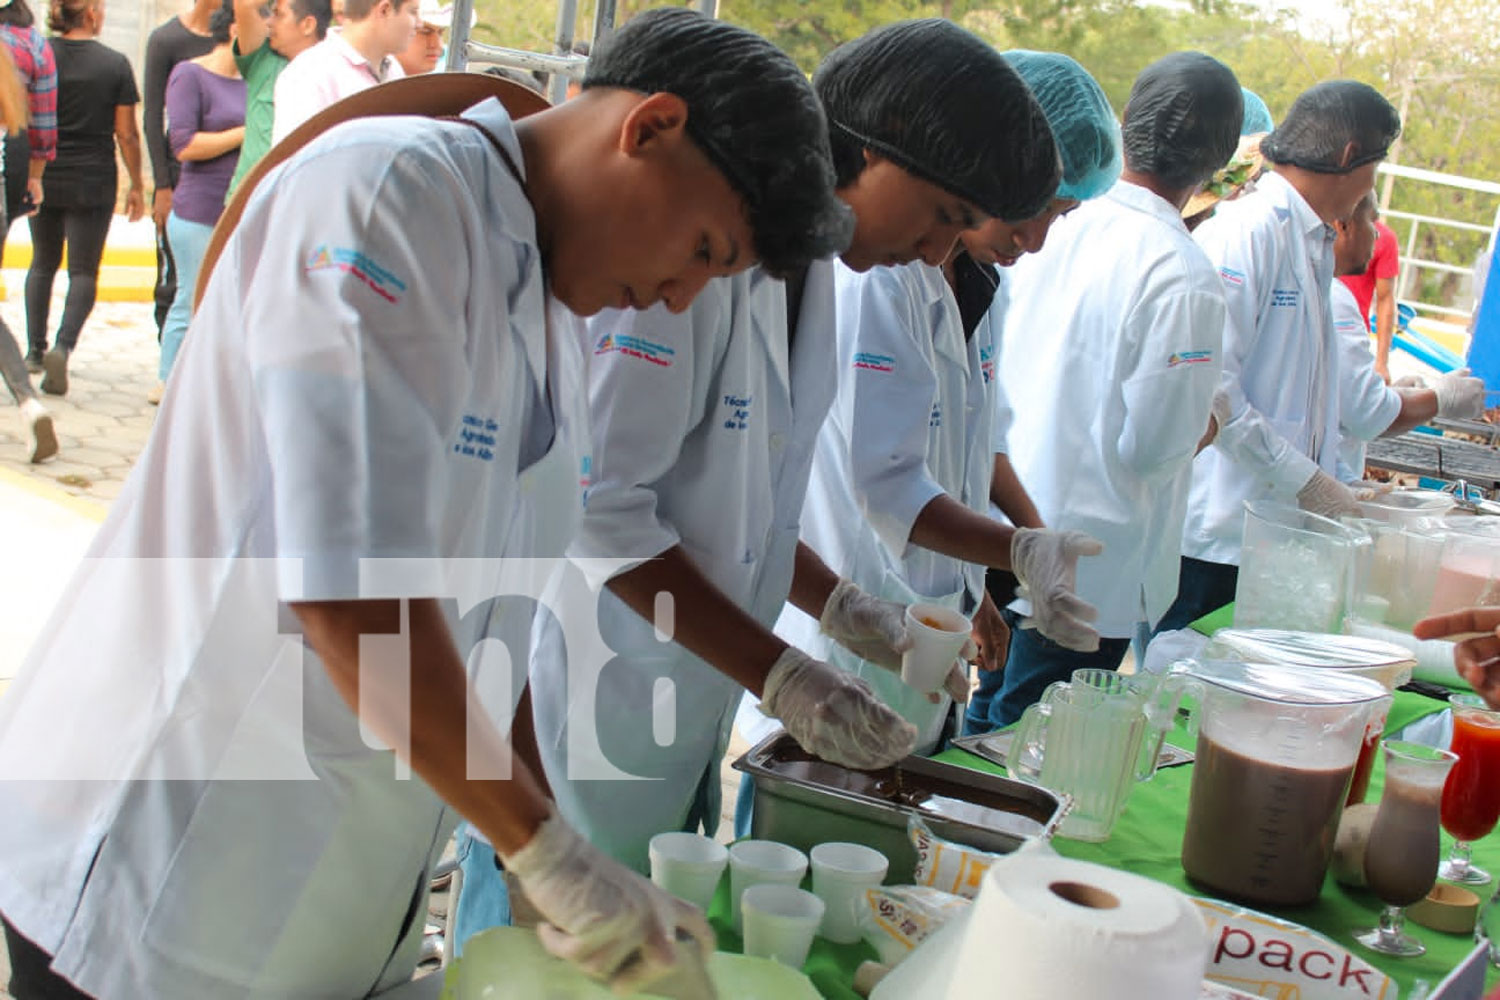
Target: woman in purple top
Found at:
x=205, y=126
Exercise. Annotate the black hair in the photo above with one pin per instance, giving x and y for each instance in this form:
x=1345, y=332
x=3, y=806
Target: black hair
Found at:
x=17, y=14
x=1327, y=117
x=751, y=112
x=1182, y=121
x=220, y=21
x=321, y=11
x=941, y=103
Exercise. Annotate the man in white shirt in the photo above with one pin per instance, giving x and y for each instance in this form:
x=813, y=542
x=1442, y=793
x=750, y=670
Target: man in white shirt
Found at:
x=1368, y=408
x=1274, y=252
x=1112, y=355
x=355, y=56
x=425, y=50
x=374, y=395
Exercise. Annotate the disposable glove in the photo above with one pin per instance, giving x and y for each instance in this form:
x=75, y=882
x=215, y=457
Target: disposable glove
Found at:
x=1409, y=382
x=1046, y=563
x=1460, y=396
x=1219, y=410
x=874, y=629
x=1322, y=494
x=602, y=917
x=833, y=714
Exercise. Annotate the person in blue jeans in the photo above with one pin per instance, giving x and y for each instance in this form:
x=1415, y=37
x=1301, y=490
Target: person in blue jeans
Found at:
x=206, y=125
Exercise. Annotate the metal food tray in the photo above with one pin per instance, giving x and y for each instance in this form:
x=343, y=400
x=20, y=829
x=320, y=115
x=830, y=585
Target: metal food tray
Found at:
x=995, y=747
x=805, y=813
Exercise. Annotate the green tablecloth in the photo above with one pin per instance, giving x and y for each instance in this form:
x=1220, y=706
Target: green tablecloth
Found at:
x=1148, y=838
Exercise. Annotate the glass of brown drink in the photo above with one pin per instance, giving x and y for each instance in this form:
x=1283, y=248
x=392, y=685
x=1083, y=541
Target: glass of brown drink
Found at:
x=1401, y=859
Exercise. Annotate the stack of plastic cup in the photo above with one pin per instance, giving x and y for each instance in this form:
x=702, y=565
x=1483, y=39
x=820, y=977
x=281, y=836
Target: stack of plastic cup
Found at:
x=761, y=862
x=688, y=865
x=780, y=921
x=841, y=874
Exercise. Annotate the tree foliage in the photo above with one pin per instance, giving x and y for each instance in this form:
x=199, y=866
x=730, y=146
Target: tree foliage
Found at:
x=1438, y=61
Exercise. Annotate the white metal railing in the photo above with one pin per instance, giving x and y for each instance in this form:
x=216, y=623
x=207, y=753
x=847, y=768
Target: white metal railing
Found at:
x=1436, y=313
x=560, y=65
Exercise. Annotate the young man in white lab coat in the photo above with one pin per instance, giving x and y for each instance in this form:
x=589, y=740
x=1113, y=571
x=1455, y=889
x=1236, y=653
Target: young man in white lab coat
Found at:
x=1273, y=249
x=1113, y=340
x=909, y=443
x=190, y=809
x=1368, y=408
x=704, y=430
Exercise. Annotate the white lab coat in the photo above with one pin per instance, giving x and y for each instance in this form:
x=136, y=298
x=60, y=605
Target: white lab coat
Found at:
x=325, y=409
x=704, y=431
x=1114, y=346
x=913, y=419
x=1275, y=261
x=1367, y=406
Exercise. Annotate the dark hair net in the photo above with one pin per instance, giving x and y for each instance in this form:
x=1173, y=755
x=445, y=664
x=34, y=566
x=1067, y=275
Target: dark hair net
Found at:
x=941, y=103
x=1183, y=119
x=1083, y=124
x=752, y=112
x=1325, y=119
x=1257, y=118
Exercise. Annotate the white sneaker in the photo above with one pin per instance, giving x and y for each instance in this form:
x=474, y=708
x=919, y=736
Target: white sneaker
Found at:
x=43, y=435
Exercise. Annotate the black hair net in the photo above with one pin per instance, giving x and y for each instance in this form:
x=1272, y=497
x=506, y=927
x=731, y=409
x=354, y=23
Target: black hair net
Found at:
x=943, y=104
x=1183, y=119
x=754, y=115
x=1325, y=119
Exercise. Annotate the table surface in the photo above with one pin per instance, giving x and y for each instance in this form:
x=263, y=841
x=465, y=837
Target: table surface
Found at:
x=1148, y=838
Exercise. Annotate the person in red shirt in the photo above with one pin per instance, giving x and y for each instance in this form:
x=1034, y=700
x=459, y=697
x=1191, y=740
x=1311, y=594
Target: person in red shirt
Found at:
x=1379, y=283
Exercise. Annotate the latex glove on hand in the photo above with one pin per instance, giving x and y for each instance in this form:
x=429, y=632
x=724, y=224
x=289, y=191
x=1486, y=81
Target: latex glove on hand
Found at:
x=602, y=917
x=1322, y=494
x=833, y=714
x=1046, y=564
x=1409, y=382
x=1460, y=396
x=874, y=629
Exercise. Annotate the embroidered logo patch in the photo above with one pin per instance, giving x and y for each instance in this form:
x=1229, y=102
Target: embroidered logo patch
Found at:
x=1285, y=298
x=875, y=362
x=987, y=364
x=636, y=347
x=347, y=260
x=1231, y=276
x=1189, y=358
x=476, y=438
x=736, y=411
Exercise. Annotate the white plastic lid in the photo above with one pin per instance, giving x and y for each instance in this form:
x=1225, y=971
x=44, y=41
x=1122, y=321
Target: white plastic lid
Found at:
x=1287, y=685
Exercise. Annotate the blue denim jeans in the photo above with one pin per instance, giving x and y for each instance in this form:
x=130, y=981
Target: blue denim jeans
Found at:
x=483, y=900
x=189, y=243
x=1034, y=662
x=1201, y=587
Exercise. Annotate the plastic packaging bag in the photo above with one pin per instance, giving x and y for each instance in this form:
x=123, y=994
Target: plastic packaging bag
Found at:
x=897, y=918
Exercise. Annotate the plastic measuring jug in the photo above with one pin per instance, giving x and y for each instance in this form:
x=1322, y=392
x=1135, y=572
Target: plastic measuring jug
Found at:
x=1276, y=748
x=1385, y=662
x=1394, y=585
x=1093, y=737
x=1469, y=570
x=1296, y=569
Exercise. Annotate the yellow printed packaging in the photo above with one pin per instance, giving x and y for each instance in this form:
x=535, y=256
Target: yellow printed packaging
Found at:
x=944, y=865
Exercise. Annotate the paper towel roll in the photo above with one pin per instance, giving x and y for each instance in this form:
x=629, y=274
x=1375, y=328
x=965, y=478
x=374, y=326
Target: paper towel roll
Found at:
x=1052, y=928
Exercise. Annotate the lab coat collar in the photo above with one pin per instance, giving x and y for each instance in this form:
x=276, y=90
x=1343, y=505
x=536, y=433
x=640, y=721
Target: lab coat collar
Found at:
x=1284, y=196
x=768, y=317
x=1136, y=197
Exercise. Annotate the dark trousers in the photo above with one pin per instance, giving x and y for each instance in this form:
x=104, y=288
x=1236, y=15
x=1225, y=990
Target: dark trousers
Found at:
x=1201, y=587
x=84, y=231
x=166, y=280
x=31, y=975
x=1034, y=662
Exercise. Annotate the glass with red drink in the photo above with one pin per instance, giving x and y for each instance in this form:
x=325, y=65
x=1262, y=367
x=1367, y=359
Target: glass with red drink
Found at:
x=1471, y=796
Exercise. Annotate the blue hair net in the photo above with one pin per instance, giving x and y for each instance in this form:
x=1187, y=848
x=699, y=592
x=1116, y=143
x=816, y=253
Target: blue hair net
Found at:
x=1083, y=124
x=1257, y=115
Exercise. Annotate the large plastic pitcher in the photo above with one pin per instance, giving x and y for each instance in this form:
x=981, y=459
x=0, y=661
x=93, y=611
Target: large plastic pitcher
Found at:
x=1385, y=662
x=1296, y=569
x=1394, y=586
x=1276, y=748
x=1469, y=572
x=1092, y=738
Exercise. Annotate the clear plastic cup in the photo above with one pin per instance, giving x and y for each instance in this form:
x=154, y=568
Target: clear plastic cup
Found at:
x=688, y=865
x=841, y=874
x=780, y=922
x=938, y=635
x=761, y=862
